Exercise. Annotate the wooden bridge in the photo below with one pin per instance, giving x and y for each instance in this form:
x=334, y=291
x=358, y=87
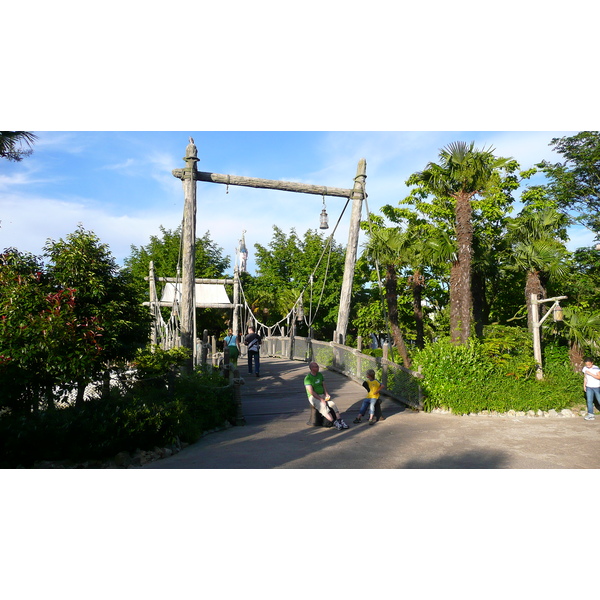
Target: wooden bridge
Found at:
x=280, y=391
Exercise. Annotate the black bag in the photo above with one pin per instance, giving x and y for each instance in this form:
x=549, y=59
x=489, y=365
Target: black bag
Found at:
x=378, y=416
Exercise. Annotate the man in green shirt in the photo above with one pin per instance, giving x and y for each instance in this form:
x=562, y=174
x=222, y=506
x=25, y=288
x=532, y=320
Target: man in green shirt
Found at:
x=320, y=398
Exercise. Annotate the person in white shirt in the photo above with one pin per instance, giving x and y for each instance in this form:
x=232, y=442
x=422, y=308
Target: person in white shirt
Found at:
x=591, y=386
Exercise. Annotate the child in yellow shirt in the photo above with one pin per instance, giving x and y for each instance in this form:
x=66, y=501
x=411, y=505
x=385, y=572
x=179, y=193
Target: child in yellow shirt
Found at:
x=374, y=387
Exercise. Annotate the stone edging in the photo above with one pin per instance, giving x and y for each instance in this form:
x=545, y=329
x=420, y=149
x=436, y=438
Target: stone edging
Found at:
x=531, y=414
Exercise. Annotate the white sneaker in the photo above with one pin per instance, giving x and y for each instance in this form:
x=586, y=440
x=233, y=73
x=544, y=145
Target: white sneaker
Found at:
x=344, y=426
x=589, y=417
x=338, y=424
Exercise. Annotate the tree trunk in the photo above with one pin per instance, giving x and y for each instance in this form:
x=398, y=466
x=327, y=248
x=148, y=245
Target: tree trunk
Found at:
x=79, y=400
x=480, y=305
x=391, y=296
x=464, y=239
x=454, y=304
x=533, y=285
x=417, y=289
x=576, y=357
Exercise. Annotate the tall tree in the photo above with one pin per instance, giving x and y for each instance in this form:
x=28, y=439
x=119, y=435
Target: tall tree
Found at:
x=286, y=265
x=165, y=251
x=384, y=246
x=16, y=145
x=463, y=171
x=574, y=184
x=535, y=246
x=104, y=301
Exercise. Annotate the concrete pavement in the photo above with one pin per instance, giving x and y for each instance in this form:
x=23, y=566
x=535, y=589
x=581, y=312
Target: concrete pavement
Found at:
x=276, y=434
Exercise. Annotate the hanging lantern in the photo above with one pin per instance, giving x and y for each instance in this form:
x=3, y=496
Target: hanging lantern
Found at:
x=324, y=218
x=557, y=313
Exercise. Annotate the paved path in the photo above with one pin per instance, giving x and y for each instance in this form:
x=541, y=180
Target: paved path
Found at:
x=277, y=435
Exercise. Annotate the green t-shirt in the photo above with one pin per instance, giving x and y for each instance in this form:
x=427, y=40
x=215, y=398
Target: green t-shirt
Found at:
x=317, y=383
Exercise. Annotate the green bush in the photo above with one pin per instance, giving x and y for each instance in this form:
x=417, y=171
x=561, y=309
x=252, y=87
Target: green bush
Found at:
x=495, y=376
x=138, y=417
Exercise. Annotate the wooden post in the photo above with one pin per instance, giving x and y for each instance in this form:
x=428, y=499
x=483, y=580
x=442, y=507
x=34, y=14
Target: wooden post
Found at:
x=213, y=342
x=358, y=195
x=292, y=334
x=537, y=325
x=384, y=364
x=235, y=326
x=153, y=299
x=537, y=342
x=188, y=242
x=204, y=351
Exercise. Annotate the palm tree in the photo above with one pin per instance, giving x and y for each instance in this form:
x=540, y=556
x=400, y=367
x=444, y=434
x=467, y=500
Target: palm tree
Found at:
x=536, y=250
x=462, y=173
x=11, y=143
x=384, y=247
x=582, y=331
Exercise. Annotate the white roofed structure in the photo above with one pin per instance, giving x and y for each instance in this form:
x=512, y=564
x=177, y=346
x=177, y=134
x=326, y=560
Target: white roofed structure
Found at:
x=208, y=295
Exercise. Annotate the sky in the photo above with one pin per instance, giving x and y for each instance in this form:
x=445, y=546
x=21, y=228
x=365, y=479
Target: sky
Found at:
x=119, y=184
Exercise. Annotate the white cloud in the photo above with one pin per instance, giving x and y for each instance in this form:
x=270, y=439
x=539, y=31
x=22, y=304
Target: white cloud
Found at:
x=120, y=166
x=27, y=223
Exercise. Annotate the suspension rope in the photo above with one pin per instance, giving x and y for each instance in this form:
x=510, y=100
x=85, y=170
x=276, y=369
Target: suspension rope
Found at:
x=328, y=246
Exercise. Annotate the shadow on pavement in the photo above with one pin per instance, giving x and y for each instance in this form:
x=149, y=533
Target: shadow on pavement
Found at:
x=466, y=460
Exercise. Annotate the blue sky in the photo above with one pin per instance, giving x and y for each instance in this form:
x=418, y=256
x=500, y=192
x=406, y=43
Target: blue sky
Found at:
x=120, y=184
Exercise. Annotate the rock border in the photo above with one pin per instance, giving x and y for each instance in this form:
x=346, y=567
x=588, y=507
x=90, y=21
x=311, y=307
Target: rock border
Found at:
x=530, y=414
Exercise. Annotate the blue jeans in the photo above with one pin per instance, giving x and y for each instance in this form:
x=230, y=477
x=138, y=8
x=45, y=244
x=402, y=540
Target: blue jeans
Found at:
x=367, y=403
x=590, y=392
x=256, y=357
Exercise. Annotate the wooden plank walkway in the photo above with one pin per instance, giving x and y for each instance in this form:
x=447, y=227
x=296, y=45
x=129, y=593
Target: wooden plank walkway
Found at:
x=280, y=391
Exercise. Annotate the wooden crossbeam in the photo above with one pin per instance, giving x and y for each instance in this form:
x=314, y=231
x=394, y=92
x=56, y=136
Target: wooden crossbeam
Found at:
x=271, y=184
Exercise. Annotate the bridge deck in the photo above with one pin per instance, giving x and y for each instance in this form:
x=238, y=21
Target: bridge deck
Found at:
x=280, y=391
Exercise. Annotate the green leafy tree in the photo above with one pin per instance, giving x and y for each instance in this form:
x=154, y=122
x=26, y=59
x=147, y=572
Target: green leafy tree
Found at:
x=582, y=284
x=16, y=145
x=384, y=247
x=574, y=184
x=535, y=248
x=581, y=330
x=284, y=270
x=165, y=252
x=31, y=323
x=105, y=303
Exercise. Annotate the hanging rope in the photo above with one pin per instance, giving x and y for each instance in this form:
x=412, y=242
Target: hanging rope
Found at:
x=328, y=246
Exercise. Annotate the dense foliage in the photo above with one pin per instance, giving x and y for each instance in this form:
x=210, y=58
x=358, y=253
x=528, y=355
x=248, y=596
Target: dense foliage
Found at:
x=290, y=266
x=496, y=375
x=165, y=252
x=65, y=323
x=159, y=407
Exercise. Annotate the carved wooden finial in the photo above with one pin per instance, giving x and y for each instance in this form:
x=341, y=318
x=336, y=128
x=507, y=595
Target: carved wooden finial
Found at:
x=191, y=151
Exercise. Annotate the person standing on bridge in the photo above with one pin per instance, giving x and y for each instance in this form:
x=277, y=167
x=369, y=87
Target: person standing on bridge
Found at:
x=232, y=342
x=252, y=340
x=319, y=397
x=591, y=386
